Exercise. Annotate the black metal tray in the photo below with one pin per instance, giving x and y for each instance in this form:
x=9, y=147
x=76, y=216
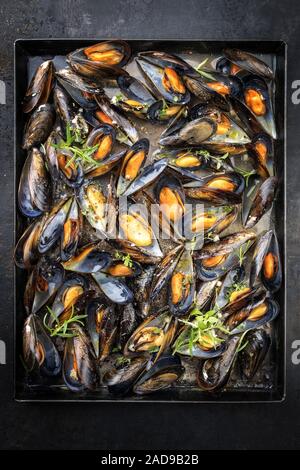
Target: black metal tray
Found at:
x=26, y=51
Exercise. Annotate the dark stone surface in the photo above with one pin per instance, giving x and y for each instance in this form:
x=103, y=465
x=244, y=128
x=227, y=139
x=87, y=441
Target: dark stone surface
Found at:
x=157, y=426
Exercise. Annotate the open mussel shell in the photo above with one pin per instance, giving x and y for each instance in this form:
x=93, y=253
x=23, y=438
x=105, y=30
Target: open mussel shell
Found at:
x=34, y=193
x=164, y=271
x=227, y=292
x=154, y=335
x=79, y=370
x=26, y=253
x=40, y=87
x=216, y=266
x=90, y=259
x=204, y=94
x=191, y=133
x=228, y=131
x=258, y=312
x=147, y=176
x=166, y=370
x=271, y=273
x=39, y=126
x=225, y=66
x=38, y=349
x=71, y=232
x=226, y=86
x=261, y=153
x=120, y=268
x=166, y=82
x=47, y=280
x=132, y=164
x=111, y=52
x=261, y=202
x=163, y=59
x=259, y=254
x=70, y=172
x=254, y=353
x=104, y=136
x=81, y=90
x=169, y=194
x=102, y=168
x=201, y=221
x=135, y=228
x=68, y=294
x=182, y=285
x=160, y=112
x=257, y=99
x=114, y=288
x=101, y=326
x=247, y=61
x=54, y=225
x=93, y=204
x=213, y=374
x=110, y=114
x=123, y=373
x=136, y=92
x=222, y=189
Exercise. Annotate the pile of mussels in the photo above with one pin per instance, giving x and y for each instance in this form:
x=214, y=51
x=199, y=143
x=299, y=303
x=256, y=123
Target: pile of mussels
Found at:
x=108, y=301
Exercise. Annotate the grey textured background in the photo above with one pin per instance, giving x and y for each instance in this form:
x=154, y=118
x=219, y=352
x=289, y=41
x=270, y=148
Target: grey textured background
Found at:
x=132, y=426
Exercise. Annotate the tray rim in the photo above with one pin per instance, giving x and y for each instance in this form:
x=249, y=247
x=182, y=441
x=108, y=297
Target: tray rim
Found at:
x=281, y=45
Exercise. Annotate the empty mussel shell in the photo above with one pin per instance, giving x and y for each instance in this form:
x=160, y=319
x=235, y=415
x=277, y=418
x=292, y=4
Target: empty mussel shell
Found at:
x=123, y=373
x=101, y=326
x=26, y=253
x=114, y=288
x=261, y=202
x=245, y=60
x=47, y=280
x=90, y=259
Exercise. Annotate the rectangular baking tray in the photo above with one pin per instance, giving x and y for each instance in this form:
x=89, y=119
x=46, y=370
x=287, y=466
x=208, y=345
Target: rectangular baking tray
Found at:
x=275, y=53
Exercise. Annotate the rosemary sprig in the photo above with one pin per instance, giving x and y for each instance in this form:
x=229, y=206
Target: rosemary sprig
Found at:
x=245, y=173
x=64, y=329
x=203, y=72
x=242, y=252
x=208, y=157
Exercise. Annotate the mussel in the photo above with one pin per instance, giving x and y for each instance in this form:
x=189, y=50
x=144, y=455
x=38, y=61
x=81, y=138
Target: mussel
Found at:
x=26, y=253
x=206, y=346
x=191, y=133
x=47, y=279
x=154, y=335
x=34, y=193
x=259, y=254
x=166, y=82
x=182, y=285
x=261, y=153
x=81, y=90
x=71, y=232
x=213, y=374
x=170, y=197
x=40, y=87
x=38, y=349
x=160, y=376
x=90, y=259
x=53, y=226
x=68, y=294
x=79, y=370
x=252, y=356
x=261, y=202
x=132, y=164
x=271, y=273
x=245, y=60
x=138, y=96
x=101, y=326
x=123, y=373
x=103, y=137
x=257, y=99
x=94, y=206
x=39, y=126
x=223, y=189
x=258, y=312
x=114, y=288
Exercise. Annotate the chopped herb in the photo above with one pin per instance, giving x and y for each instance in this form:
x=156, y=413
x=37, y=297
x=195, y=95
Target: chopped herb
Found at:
x=122, y=361
x=153, y=350
x=236, y=287
x=202, y=328
x=126, y=259
x=64, y=329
